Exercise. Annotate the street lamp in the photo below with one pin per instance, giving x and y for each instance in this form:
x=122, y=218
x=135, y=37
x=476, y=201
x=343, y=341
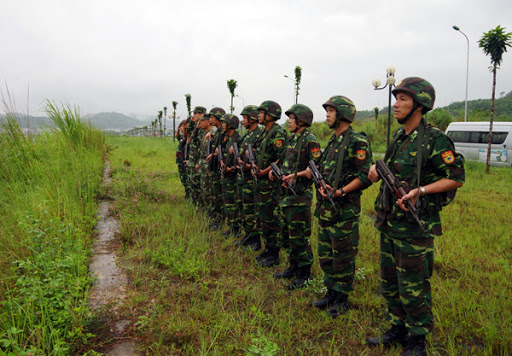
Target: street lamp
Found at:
x=293, y=81
x=456, y=28
x=390, y=82
x=243, y=101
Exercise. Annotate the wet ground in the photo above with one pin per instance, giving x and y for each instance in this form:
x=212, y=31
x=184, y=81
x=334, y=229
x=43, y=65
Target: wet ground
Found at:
x=111, y=285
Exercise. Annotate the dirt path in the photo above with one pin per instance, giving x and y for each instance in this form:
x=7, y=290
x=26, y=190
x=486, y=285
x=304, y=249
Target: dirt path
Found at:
x=111, y=286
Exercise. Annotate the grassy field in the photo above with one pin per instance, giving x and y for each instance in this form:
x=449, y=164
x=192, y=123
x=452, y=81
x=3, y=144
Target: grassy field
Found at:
x=48, y=202
x=195, y=293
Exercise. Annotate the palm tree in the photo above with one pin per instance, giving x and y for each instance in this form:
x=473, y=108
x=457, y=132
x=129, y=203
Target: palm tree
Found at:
x=232, y=84
x=174, y=104
x=160, y=122
x=298, y=77
x=494, y=43
x=165, y=120
x=188, y=99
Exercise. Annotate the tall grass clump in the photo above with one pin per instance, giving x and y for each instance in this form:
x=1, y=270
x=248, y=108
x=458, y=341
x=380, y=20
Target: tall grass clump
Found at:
x=48, y=190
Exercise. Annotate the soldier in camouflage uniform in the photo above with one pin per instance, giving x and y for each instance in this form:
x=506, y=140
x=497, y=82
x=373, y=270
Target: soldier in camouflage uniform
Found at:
x=270, y=150
x=246, y=183
x=204, y=168
x=424, y=158
x=230, y=123
x=302, y=148
x=194, y=141
x=344, y=164
x=180, y=154
x=215, y=211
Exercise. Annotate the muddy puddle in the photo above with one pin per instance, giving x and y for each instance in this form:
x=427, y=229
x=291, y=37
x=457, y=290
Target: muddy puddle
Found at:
x=110, y=287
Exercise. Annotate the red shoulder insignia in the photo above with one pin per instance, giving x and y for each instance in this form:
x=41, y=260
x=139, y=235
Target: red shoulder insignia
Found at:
x=279, y=143
x=448, y=157
x=361, y=155
x=315, y=152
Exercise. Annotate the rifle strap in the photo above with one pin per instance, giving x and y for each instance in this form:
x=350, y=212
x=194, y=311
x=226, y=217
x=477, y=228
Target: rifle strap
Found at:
x=347, y=135
x=264, y=145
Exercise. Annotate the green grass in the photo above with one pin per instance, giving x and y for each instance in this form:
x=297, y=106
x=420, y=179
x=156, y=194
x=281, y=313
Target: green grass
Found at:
x=48, y=198
x=195, y=293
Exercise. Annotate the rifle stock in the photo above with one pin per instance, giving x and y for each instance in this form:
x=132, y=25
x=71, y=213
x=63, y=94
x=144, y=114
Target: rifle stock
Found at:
x=221, y=161
x=252, y=161
x=279, y=174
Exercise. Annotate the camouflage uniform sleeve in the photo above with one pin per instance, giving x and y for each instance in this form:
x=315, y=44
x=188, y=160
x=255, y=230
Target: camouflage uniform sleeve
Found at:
x=314, y=151
x=448, y=163
x=278, y=145
x=361, y=160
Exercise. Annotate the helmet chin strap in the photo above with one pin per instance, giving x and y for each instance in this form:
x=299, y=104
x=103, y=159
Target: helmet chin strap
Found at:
x=414, y=107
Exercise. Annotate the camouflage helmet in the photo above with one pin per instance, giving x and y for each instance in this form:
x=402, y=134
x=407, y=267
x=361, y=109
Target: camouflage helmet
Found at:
x=421, y=91
x=251, y=111
x=200, y=110
x=301, y=112
x=217, y=112
x=345, y=108
x=231, y=120
x=272, y=108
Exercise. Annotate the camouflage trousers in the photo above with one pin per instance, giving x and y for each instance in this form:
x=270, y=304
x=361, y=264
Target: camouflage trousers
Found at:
x=194, y=180
x=182, y=171
x=267, y=203
x=217, y=198
x=406, y=267
x=297, y=224
x=249, y=216
x=338, y=243
x=229, y=187
x=206, y=193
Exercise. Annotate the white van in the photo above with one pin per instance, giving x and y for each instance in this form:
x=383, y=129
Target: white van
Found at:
x=472, y=139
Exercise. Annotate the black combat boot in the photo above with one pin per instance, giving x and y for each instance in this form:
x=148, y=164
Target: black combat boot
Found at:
x=326, y=301
x=244, y=241
x=254, y=242
x=340, y=305
x=303, y=275
x=289, y=272
x=272, y=258
x=397, y=334
x=263, y=254
x=415, y=346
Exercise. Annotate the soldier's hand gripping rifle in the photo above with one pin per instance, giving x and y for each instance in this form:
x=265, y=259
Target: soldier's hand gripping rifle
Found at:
x=320, y=181
x=220, y=157
x=397, y=188
x=237, y=158
x=252, y=161
x=279, y=174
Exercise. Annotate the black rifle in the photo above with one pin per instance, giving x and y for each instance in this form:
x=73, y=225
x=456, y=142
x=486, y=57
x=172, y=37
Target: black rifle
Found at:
x=208, y=152
x=237, y=158
x=220, y=157
x=185, y=152
x=397, y=187
x=279, y=174
x=252, y=161
x=320, y=181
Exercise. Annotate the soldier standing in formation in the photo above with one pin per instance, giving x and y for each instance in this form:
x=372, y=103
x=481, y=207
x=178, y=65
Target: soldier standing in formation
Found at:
x=344, y=164
x=246, y=183
x=230, y=123
x=194, y=142
x=181, y=153
x=296, y=209
x=270, y=150
x=425, y=158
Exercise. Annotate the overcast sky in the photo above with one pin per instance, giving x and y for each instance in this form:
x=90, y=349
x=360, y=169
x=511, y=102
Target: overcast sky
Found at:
x=135, y=57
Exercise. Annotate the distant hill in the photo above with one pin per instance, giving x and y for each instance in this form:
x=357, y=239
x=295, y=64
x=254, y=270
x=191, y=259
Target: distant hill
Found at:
x=104, y=121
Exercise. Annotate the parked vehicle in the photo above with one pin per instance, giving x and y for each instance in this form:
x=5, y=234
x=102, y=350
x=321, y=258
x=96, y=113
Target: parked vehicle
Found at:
x=472, y=138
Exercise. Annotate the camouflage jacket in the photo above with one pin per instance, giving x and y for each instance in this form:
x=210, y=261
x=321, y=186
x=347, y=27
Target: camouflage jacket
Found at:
x=229, y=159
x=439, y=161
x=252, y=138
x=203, y=149
x=295, y=161
x=272, y=147
x=356, y=164
x=196, y=139
x=180, y=152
